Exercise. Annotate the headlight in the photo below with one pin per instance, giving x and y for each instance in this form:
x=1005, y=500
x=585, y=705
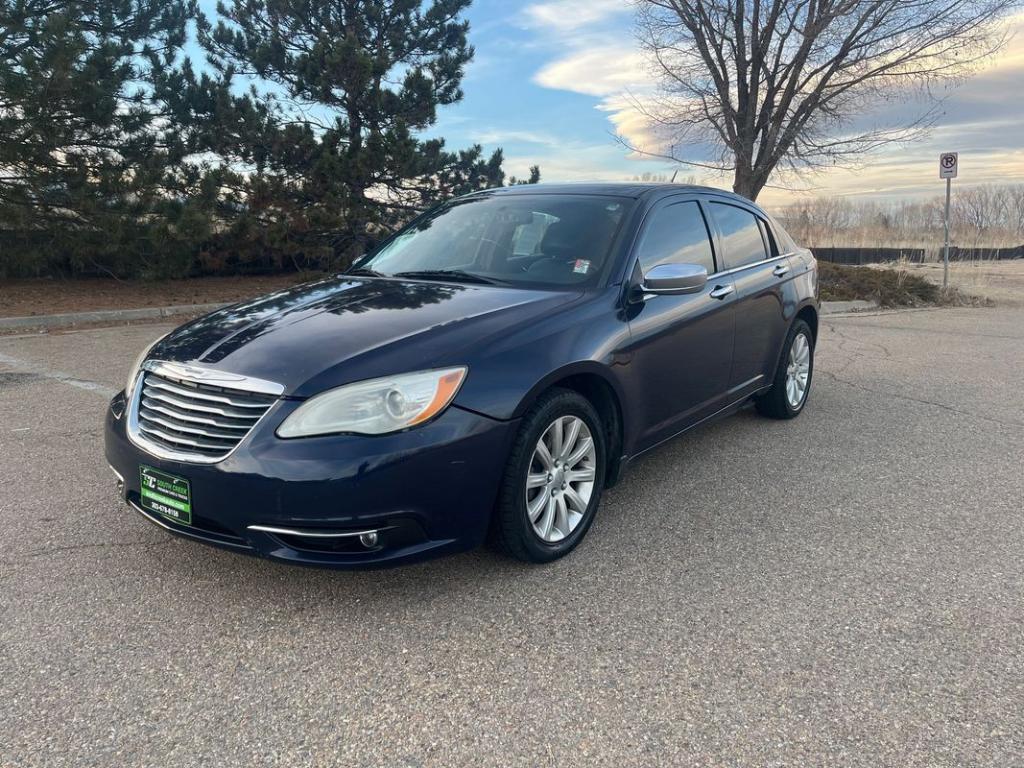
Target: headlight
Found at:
x=133, y=372
x=377, y=406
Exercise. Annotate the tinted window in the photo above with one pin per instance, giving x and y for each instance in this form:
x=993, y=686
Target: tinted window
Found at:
x=741, y=235
x=782, y=238
x=542, y=240
x=678, y=235
x=527, y=238
x=769, y=238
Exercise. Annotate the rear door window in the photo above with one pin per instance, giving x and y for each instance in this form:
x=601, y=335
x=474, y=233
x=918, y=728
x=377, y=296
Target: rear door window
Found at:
x=676, y=234
x=742, y=242
x=769, y=238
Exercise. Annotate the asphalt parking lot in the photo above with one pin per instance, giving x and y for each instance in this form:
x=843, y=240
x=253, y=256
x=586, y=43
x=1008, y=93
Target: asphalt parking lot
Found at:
x=843, y=590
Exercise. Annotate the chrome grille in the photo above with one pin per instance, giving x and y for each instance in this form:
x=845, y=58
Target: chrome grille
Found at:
x=194, y=421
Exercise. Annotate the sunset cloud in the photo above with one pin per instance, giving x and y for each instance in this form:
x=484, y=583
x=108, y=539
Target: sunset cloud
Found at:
x=980, y=117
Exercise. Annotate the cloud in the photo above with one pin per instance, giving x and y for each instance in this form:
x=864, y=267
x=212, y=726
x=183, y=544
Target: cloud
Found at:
x=603, y=70
x=504, y=136
x=980, y=117
x=619, y=76
x=572, y=162
x=569, y=15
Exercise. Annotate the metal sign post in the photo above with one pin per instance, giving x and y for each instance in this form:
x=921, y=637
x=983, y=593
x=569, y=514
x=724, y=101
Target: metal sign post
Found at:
x=949, y=163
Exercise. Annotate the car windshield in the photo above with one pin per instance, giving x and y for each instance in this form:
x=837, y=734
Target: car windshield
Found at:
x=540, y=240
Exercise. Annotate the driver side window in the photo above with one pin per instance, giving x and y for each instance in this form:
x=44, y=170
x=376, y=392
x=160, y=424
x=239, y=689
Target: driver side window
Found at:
x=676, y=234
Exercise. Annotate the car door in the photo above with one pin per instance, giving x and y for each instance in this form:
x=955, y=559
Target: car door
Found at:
x=681, y=345
x=759, y=274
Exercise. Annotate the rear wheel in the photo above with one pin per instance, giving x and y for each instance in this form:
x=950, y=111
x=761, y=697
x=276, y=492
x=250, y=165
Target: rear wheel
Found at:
x=792, y=385
x=554, y=478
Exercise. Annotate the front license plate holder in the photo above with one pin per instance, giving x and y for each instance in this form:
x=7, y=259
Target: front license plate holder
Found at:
x=167, y=495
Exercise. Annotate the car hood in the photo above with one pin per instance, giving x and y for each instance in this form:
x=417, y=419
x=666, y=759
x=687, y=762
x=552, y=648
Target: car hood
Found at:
x=343, y=329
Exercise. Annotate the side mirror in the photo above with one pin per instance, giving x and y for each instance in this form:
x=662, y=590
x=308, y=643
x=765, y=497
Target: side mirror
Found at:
x=675, y=279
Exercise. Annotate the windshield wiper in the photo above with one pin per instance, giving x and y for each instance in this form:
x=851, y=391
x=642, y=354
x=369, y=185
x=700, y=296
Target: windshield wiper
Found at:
x=365, y=272
x=455, y=275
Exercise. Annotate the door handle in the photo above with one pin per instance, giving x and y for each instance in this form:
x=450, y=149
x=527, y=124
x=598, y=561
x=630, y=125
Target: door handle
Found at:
x=781, y=271
x=721, y=291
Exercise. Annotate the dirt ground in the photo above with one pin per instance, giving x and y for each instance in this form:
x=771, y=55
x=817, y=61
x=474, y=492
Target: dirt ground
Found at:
x=1000, y=281
x=22, y=298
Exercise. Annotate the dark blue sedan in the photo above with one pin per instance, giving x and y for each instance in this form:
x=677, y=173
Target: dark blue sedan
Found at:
x=485, y=374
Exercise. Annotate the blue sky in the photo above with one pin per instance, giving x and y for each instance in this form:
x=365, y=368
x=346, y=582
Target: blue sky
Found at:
x=515, y=96
x=550, y=85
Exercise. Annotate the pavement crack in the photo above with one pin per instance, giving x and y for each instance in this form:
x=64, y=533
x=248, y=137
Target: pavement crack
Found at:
x=934, y=331
x=64, y=378
x=921, y=401
x=871, y=344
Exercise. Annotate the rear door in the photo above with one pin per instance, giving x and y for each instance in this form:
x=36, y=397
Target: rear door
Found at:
x=681, y=348
x=759, y=273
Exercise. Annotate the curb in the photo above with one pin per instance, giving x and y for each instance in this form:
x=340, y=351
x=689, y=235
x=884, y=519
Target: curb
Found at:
x=105, y=316
x=848, y=307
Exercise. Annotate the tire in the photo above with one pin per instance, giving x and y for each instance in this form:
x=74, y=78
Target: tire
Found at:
x=777, y=402
x=515, y=529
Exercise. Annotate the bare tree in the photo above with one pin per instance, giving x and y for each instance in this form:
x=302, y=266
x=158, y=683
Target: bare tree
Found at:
x=981, y=209
x=1015, y=208
x=983, y=216
x=784, y=84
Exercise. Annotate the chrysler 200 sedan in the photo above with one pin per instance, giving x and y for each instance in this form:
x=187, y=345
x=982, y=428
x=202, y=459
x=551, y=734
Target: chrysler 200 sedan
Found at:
x=485, y=374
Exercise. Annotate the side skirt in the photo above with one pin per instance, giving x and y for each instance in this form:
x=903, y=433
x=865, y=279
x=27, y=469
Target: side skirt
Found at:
x=719, y=414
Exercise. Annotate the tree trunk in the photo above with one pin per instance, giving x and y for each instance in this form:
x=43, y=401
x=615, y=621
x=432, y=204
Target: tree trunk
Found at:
x=748, y=183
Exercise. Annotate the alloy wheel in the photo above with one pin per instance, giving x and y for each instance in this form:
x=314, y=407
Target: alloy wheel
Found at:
x=560, y=481
x=798, y=372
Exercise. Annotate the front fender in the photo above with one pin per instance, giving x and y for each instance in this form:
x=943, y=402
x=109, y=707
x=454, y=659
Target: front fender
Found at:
x=590, y=338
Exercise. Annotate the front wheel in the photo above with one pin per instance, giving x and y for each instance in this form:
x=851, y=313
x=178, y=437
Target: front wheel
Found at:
x=553, y=481
x=792, y=385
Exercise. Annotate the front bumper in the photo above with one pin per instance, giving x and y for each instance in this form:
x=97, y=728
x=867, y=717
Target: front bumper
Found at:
x=426, y=492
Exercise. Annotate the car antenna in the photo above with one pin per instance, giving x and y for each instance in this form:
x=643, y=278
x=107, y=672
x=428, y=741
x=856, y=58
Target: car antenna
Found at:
x=674, y=176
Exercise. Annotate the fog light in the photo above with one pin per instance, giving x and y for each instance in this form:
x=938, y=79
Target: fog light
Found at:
x=368, y=539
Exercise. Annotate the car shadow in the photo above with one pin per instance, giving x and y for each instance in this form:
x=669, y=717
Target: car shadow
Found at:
x=659, y=511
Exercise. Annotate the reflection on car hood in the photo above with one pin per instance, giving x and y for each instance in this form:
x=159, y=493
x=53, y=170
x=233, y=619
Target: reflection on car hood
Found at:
x=344, y=329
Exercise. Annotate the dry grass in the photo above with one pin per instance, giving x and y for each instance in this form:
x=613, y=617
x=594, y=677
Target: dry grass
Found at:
x=1002, y=282
x=48, y=296
x=889, y=287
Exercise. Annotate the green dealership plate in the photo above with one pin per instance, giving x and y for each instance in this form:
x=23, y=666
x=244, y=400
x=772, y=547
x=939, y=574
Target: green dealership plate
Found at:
x=166, y=495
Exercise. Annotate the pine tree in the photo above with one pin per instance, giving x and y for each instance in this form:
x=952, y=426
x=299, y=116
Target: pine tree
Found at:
x=84, y=145
x=348, y=86
x=533, y=178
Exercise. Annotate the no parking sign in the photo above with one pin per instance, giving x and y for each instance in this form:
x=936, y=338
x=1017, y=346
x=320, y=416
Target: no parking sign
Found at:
x=949, y=165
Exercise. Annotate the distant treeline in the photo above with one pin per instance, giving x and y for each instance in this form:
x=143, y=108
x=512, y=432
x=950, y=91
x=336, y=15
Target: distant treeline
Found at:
x=986, y=222
x=293, y=145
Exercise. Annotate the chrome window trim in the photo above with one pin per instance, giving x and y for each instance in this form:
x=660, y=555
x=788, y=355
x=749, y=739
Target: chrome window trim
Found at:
x=199, y=375
x=734, y=270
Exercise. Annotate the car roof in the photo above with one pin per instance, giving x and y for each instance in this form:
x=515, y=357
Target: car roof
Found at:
x=616, y=189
